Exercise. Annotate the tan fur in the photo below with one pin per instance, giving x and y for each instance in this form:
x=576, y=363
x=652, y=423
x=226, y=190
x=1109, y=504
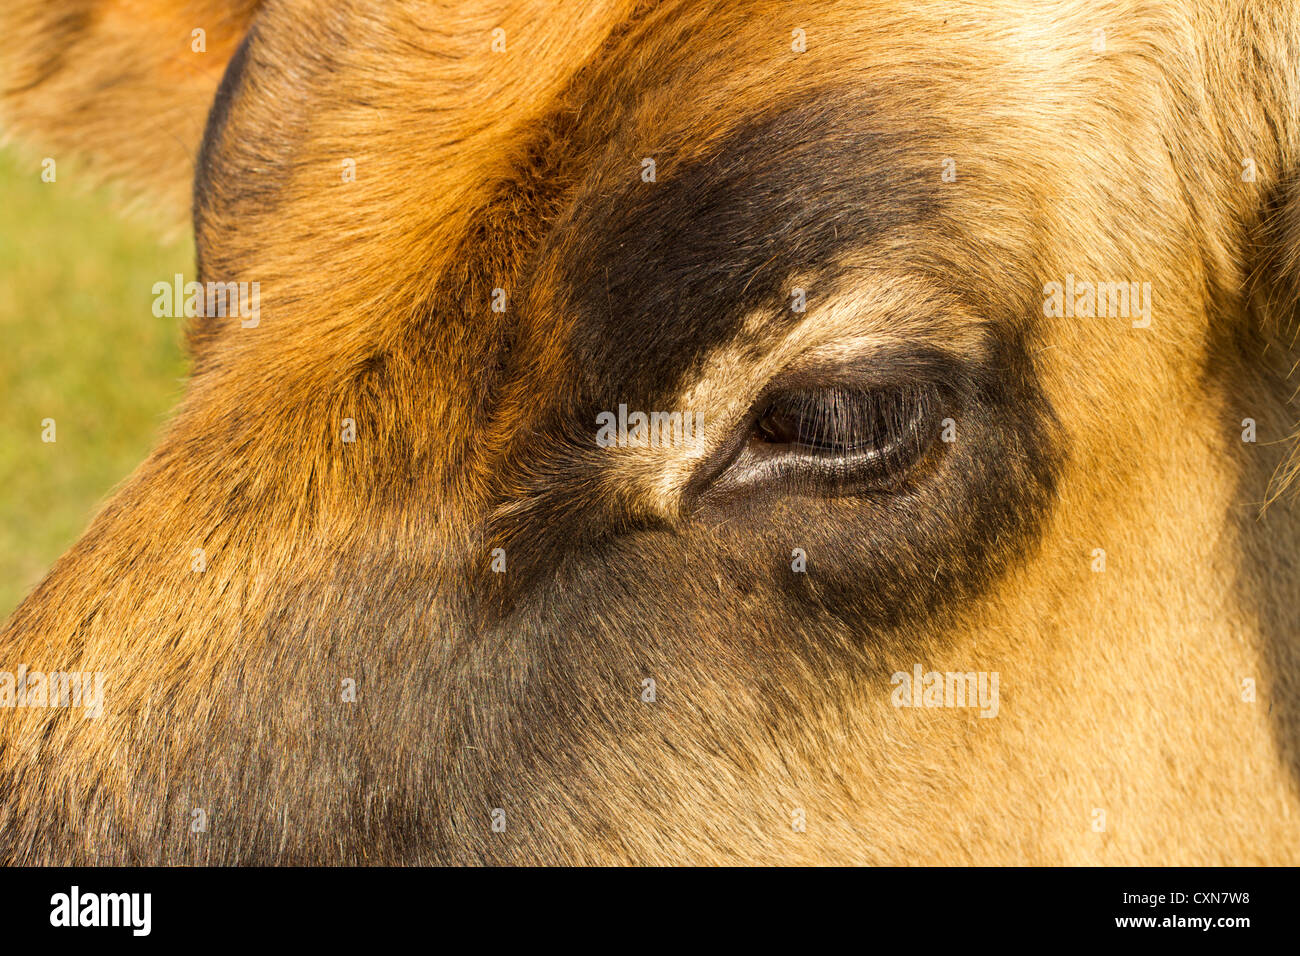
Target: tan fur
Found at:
x=1120, y=690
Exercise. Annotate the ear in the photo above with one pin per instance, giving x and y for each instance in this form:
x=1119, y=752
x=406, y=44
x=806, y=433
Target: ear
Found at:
x=122, y=86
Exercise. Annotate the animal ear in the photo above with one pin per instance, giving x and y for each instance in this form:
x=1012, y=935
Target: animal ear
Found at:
x=121, y=87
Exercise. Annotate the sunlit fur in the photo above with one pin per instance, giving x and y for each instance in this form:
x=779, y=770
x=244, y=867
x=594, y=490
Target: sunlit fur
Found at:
x=1121, y=690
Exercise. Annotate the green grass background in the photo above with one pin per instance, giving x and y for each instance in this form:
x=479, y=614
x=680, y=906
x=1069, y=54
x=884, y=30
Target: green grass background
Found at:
x=78, y=343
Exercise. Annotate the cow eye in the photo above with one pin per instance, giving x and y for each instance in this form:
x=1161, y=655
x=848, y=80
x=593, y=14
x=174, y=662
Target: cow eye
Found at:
x=861, y=433
x=835, y=438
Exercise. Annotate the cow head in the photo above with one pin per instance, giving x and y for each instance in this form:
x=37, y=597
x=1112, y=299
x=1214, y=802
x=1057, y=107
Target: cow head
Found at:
x=689, y=432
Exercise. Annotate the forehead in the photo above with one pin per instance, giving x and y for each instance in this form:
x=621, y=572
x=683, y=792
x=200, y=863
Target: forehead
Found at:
x=526, y=171
x=462, y=152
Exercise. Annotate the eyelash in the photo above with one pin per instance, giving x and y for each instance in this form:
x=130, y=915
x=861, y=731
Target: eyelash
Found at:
x=847, y=422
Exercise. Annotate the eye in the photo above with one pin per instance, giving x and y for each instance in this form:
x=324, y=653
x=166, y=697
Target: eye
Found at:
x=835, y=438
x=844, y=421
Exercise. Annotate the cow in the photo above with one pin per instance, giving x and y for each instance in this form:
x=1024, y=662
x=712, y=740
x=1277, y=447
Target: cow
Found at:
x=685, y=433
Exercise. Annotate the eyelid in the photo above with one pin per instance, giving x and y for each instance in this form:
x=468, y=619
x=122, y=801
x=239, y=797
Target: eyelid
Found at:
x=949, y=375
x=879, y=370
x=844, y=421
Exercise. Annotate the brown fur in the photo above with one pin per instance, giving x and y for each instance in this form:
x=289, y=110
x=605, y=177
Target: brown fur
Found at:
x=521, y=170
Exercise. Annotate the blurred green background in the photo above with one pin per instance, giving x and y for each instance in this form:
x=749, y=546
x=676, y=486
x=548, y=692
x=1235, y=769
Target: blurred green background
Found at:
x=80, y=345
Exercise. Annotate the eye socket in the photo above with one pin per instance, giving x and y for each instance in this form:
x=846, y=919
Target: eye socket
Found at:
x=835, y=438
